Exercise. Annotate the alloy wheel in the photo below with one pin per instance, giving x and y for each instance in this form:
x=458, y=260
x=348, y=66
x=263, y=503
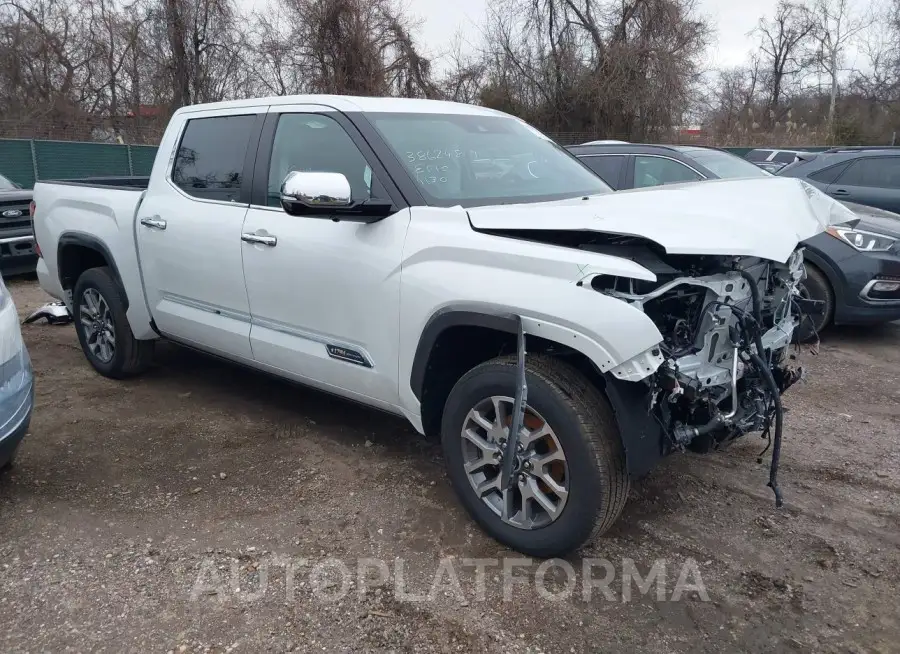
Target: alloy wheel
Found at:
x=97, y=323
x=541, y=488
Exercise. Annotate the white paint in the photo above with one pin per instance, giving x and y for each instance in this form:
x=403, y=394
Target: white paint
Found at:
x=374, y=288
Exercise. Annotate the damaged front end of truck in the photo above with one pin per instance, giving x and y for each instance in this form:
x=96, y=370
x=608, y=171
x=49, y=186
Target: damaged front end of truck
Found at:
x=724, y=361
x=723, y=288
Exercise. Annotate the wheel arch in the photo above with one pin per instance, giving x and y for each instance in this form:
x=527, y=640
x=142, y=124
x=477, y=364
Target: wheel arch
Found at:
x=79, y=251
x=456, y=340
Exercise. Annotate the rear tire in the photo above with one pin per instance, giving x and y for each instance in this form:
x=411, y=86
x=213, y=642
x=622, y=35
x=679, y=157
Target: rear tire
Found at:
x=102, y=326
x=592, y=475
x=816, y=287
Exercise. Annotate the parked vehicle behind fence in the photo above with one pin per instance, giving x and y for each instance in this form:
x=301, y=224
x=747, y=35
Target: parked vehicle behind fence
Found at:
x=450, y=264
x=854, y=271
x=773, y=160
x=17, y=253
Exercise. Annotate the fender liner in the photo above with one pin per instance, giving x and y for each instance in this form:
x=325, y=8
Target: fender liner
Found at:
x=444, y=319
x=642, y=437
x=90, y=242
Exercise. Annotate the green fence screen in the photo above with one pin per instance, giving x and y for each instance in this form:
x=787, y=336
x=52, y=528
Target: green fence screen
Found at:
x=25, y=162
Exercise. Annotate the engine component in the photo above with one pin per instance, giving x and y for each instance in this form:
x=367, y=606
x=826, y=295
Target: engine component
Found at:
x=726, y=327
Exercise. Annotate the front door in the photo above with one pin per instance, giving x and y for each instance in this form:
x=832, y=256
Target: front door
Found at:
x=324, y=295
x=189, y=234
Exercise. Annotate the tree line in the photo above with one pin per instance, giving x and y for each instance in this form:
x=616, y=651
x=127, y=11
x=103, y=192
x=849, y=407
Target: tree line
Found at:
x=632, y=69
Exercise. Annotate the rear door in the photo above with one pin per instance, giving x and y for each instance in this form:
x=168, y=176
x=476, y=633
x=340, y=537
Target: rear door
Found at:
x=189, y=232
x=874, y=181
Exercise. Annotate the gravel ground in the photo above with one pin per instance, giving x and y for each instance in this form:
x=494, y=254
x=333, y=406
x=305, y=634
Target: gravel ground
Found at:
x=203, y=507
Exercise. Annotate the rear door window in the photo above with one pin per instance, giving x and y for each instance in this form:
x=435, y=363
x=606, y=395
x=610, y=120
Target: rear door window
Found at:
x=784, y=157
x=758, y=155
x=607, y=167
x=830, y=174
x=209, y=163
x=873, y=172
x=655, y=171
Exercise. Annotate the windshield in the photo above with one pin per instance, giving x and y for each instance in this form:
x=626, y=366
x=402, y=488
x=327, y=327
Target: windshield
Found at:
x=6, y=185
x=469, y=160
x=725, y=165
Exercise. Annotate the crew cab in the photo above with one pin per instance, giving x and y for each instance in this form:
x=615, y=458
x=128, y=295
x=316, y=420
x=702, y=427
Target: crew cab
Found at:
x=450, y=264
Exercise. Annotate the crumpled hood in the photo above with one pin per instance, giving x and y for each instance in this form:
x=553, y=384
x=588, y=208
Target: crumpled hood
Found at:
x=760, y=217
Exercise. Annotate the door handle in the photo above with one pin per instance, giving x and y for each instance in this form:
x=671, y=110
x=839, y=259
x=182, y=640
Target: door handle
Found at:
x=154, y=222
x=247, y=237
x=840, y=192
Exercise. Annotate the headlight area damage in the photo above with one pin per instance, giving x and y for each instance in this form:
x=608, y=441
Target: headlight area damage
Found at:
x=727, y=324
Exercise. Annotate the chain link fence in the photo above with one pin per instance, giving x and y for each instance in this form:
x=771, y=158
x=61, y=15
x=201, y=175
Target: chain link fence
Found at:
x=27, y=161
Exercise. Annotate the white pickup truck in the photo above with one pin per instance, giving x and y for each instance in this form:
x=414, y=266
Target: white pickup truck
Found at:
x=450, y=264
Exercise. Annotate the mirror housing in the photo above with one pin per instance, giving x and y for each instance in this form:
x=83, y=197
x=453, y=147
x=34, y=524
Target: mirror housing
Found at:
x=328, y=195
x=304, y=193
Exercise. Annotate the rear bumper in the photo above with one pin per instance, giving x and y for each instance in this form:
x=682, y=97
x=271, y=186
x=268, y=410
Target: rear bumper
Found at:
x=17, y=254
x=48, y=282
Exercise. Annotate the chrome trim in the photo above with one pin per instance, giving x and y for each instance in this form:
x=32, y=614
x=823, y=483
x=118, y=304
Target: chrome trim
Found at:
x=194, y=198
x=315, y=189
x=154, y=222
x=274, y=325
x=290, y=330
x=16, y=239
x=259, y=239
x=660, y=156
x=864, y=293
x=207, y=307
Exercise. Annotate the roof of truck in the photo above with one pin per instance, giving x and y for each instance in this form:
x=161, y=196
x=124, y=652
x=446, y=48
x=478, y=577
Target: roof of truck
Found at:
x=349, y=103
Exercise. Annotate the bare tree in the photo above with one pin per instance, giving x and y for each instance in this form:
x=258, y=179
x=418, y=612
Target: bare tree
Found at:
x=617, y=68
x=782, y=42
x=835, y=28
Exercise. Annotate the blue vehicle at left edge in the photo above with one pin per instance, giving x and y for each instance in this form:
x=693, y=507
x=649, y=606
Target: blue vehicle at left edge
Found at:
x=16, y=381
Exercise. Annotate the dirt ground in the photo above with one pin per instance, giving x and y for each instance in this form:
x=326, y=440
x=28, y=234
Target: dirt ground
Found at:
x=135, y=507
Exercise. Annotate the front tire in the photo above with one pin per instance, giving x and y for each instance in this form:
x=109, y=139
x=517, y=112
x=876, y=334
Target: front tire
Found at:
x=816, y=287
x=102, y=326
x=573, y=482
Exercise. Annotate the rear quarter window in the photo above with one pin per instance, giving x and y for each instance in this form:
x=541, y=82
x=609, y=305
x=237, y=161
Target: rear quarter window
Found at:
x=830, y=174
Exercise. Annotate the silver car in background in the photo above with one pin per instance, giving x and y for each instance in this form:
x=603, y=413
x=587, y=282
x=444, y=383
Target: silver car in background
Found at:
x=16, y=381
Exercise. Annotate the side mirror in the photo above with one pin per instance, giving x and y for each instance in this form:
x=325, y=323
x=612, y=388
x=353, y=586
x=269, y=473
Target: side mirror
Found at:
x=328, y=195
x=314, y=193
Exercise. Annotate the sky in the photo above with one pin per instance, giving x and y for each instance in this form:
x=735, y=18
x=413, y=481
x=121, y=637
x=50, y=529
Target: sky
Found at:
x=443, y=20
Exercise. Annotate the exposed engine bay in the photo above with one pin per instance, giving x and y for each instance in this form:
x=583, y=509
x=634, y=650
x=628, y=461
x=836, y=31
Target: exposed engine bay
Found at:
x=727, y=324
